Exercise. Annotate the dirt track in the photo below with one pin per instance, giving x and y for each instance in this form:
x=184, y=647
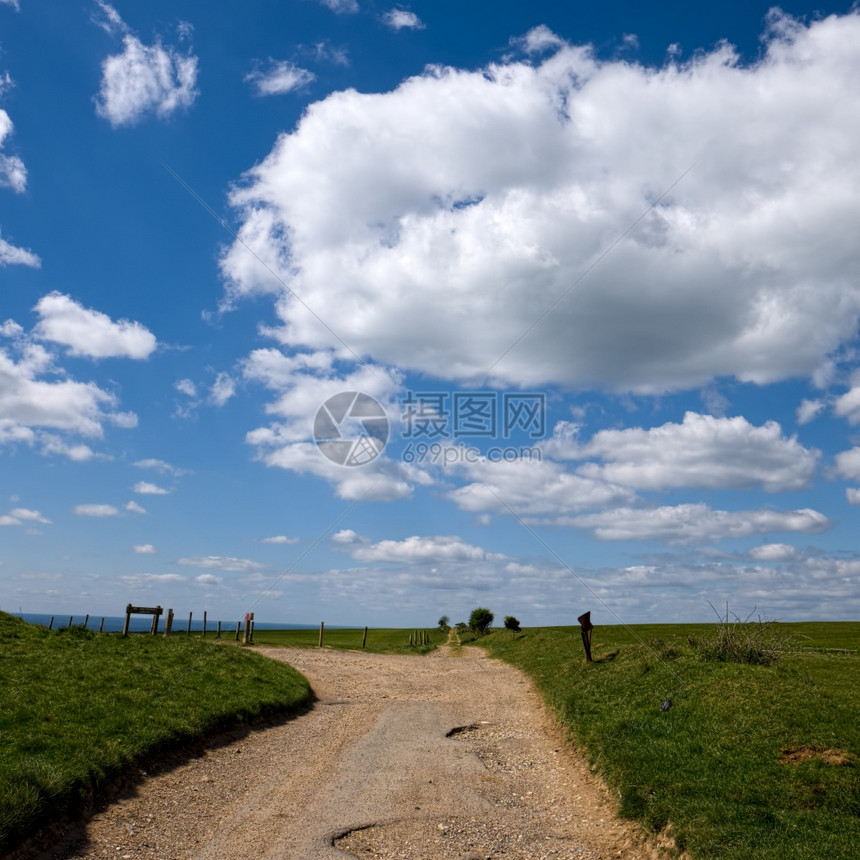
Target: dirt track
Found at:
x=401, y=757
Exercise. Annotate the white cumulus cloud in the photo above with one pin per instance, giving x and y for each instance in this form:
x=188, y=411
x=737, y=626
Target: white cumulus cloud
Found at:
x=421, y=550
x=694, y=523
x=11, y=255
x=703, y=451
x=90, y=332
x=143, y=79
x=402, y=19
x=404, y=217
x=146, y=488
x=144, y=549
x=279, y=76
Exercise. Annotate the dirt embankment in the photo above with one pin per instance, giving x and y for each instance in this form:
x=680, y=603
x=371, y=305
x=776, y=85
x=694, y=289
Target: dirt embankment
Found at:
x=442, y=756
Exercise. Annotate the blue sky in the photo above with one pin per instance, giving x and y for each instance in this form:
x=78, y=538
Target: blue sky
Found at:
x=597, y=265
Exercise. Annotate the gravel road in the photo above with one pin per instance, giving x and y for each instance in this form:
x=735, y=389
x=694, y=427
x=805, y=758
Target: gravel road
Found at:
x=451, y=756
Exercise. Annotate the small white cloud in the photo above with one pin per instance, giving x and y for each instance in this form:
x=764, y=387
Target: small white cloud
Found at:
x=12, y=3
x=279, y=77
x=142, y=579
x=423, y=550
x=145, y=488
x=852, y=494
x=347, y=536
x=89, y=332
x=207, y=579
x=341, y=6
x=400, y=19
x=279, y=539
x=79, y=453
x=538, y=40
x=13, y=174
x=697, y=523
x=143, y=79
x=222, y=389
x=144, y=549
x=159, y=466
x=848, y=464
x=110, y=20
x=848, y=406
x=774, y=552
x=187, y=387
x=23, y=516
x=135, y=508
x=10, y=255
x=220, y=562
x=808, y=410
x=96, y=511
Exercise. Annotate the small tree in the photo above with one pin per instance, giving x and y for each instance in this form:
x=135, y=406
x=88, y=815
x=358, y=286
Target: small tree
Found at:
x=512, y=624
x=481, y=620
x=445, y=623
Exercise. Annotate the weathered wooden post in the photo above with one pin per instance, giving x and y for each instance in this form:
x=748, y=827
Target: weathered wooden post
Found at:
x=127, y=619
x=168, y=622
x=364, y=638
x=322, y=630
x=585, y=627
x=51, y=625
x=218, y=634
x=247, y=637
x=238, y=625
x=102, y=625
x=71, y=619
x=188, y=631
x=251, y=638
x=86, y=621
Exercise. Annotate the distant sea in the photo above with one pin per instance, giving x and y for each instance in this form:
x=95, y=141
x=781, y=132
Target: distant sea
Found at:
x=142, y=623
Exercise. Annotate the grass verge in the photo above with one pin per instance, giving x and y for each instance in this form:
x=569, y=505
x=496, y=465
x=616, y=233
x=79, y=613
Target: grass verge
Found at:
x=748, y=761
x=381, y=641
x=78, y=708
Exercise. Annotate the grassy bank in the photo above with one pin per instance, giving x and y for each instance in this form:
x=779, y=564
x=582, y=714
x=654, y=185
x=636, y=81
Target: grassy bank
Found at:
x=78, y=708
x=748, y=761
x=381, y=641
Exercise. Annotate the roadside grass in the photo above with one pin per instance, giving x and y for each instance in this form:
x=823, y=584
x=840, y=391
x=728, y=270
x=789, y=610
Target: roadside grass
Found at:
x=78, y=708
x=748, y=761
x=379, y=641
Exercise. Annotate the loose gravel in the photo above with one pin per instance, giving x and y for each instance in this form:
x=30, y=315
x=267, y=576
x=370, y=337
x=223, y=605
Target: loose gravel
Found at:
x=450, y=756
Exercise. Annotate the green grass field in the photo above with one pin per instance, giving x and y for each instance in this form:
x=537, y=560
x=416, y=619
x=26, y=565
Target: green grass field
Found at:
x=381, y=641
x=78, y=708
x=736, y=767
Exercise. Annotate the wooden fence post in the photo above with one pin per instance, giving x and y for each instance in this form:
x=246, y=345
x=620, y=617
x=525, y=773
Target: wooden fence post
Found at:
x=127, y=620
x=71, y=619
x=51, y=625
x=102, y=625
x=322, y=628
x=238, y=625
x=188, y=632
x=218, y=634
x=204, y=623
x=585, y=628
x=86, y=621
x=364, y=638
x=168, y=622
